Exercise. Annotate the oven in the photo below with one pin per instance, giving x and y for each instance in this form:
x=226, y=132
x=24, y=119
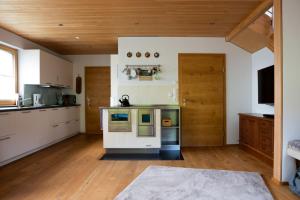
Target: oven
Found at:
x=119, y=120
x=146, y=126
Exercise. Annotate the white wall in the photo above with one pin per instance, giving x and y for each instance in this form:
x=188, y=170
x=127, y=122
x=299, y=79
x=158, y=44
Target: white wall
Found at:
x=260, y=59
x=291, y=81
x=79, y=63
x=238, y=64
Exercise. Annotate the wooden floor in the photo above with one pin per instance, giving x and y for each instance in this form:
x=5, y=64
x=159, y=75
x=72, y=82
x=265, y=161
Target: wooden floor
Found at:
x=71, y=170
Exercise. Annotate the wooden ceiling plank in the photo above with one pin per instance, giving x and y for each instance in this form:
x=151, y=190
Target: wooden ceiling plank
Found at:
x=255, y=14
x=99, y=23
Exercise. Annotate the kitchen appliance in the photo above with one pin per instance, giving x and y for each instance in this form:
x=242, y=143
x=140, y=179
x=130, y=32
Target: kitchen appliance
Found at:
x=124, y=101
x=69, y=100
x=119, y=120
x=37, y=100
x=146, y=123
x=59, y=99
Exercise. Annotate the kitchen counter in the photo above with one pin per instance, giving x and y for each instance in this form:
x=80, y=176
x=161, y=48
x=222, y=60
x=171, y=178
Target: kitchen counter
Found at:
x=15, y=108
x=139, y=128
x=159, y=106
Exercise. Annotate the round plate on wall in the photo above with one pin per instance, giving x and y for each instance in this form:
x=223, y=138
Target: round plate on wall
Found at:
x=129, y=54
x=147, y=54
x=138, y=54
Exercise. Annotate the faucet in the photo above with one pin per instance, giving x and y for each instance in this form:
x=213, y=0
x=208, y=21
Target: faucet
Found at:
x=21, y=101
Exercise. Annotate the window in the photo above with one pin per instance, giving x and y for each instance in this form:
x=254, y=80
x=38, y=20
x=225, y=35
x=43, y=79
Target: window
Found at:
x=270, y=12
x=8, y=75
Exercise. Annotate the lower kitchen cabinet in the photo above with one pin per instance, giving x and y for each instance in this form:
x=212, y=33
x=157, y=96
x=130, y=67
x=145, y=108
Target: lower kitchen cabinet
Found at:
x=27, y=129
x=9, y=147
x=23, y=132
x=7, y=120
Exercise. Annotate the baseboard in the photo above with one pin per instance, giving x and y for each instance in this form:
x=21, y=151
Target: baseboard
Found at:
x=231, y=145
x=257, y=154
x=35, y=150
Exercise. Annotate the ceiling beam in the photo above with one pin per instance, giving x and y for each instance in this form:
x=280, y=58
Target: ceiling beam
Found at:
x=256, y=13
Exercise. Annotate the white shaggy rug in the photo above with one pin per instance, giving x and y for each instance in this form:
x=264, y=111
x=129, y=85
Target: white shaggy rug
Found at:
x=175, y=183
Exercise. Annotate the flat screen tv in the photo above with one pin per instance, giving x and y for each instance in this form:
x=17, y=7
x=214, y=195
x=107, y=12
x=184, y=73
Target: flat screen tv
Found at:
x=266, y=85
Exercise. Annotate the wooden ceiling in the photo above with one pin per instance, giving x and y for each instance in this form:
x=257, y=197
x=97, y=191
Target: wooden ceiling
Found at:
x=98, y=23
x=256, y=36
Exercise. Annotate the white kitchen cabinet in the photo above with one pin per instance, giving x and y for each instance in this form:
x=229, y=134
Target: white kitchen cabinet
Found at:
x=23, y=132
x=8, y=138
x=60, y=122
x=41, y=68
x=75, y=126
x=43, y=127
x=58, y=115
x=7, y=123
x=9, y=147
x=27, y=129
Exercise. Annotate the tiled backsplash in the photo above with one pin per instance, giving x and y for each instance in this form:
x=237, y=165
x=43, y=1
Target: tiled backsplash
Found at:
x=49, y=94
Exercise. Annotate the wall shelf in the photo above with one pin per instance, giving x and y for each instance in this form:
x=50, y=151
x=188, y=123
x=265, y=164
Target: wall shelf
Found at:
x=142, y=66
x=170, y=135
x=169, y=127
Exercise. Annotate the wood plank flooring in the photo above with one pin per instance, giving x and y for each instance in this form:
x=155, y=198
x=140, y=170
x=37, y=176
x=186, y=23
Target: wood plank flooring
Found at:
x=71, y=170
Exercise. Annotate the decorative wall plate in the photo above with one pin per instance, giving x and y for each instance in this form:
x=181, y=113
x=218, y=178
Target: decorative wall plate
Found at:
x=156, y=54
x=138, y=54
x=147, y=54
x=129, y=54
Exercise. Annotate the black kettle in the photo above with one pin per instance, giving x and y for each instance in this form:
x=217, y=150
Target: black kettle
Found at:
x=124, y=101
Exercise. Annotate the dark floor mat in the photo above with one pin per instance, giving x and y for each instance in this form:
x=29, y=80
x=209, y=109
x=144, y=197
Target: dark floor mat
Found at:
x=163, y=155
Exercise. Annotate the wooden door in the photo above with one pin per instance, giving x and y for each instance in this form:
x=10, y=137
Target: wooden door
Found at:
x=97, y=94
x=202, y=98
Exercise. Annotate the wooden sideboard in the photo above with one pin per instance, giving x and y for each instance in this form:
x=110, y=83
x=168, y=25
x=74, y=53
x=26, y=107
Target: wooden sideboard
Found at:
x=257, y=135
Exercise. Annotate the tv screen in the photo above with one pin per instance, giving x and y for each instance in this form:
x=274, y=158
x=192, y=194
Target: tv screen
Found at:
x=266, y=85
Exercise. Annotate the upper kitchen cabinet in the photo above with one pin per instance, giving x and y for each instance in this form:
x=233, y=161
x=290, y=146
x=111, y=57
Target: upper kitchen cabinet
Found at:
x=41, y=68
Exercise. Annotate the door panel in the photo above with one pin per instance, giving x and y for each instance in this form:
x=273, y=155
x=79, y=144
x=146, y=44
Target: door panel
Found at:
x=97, y=94
x=202, y=98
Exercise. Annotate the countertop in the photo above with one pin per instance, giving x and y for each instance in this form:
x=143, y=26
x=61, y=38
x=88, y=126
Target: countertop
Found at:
x=143, y=106
x=15, y=108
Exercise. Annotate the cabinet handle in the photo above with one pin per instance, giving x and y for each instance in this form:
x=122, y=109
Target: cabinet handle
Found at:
x=68, y=122
x=55, y=126
x=148, y=145
x=5, y=138
x=42, y=110
x=25, y=112
x=3, y=114
x=77, y=120
x=54, y=109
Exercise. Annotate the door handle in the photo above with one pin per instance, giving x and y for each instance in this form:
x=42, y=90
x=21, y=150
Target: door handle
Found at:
x=184, y=101
x=5, y=138
x=25, y=112
x=88, y=101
